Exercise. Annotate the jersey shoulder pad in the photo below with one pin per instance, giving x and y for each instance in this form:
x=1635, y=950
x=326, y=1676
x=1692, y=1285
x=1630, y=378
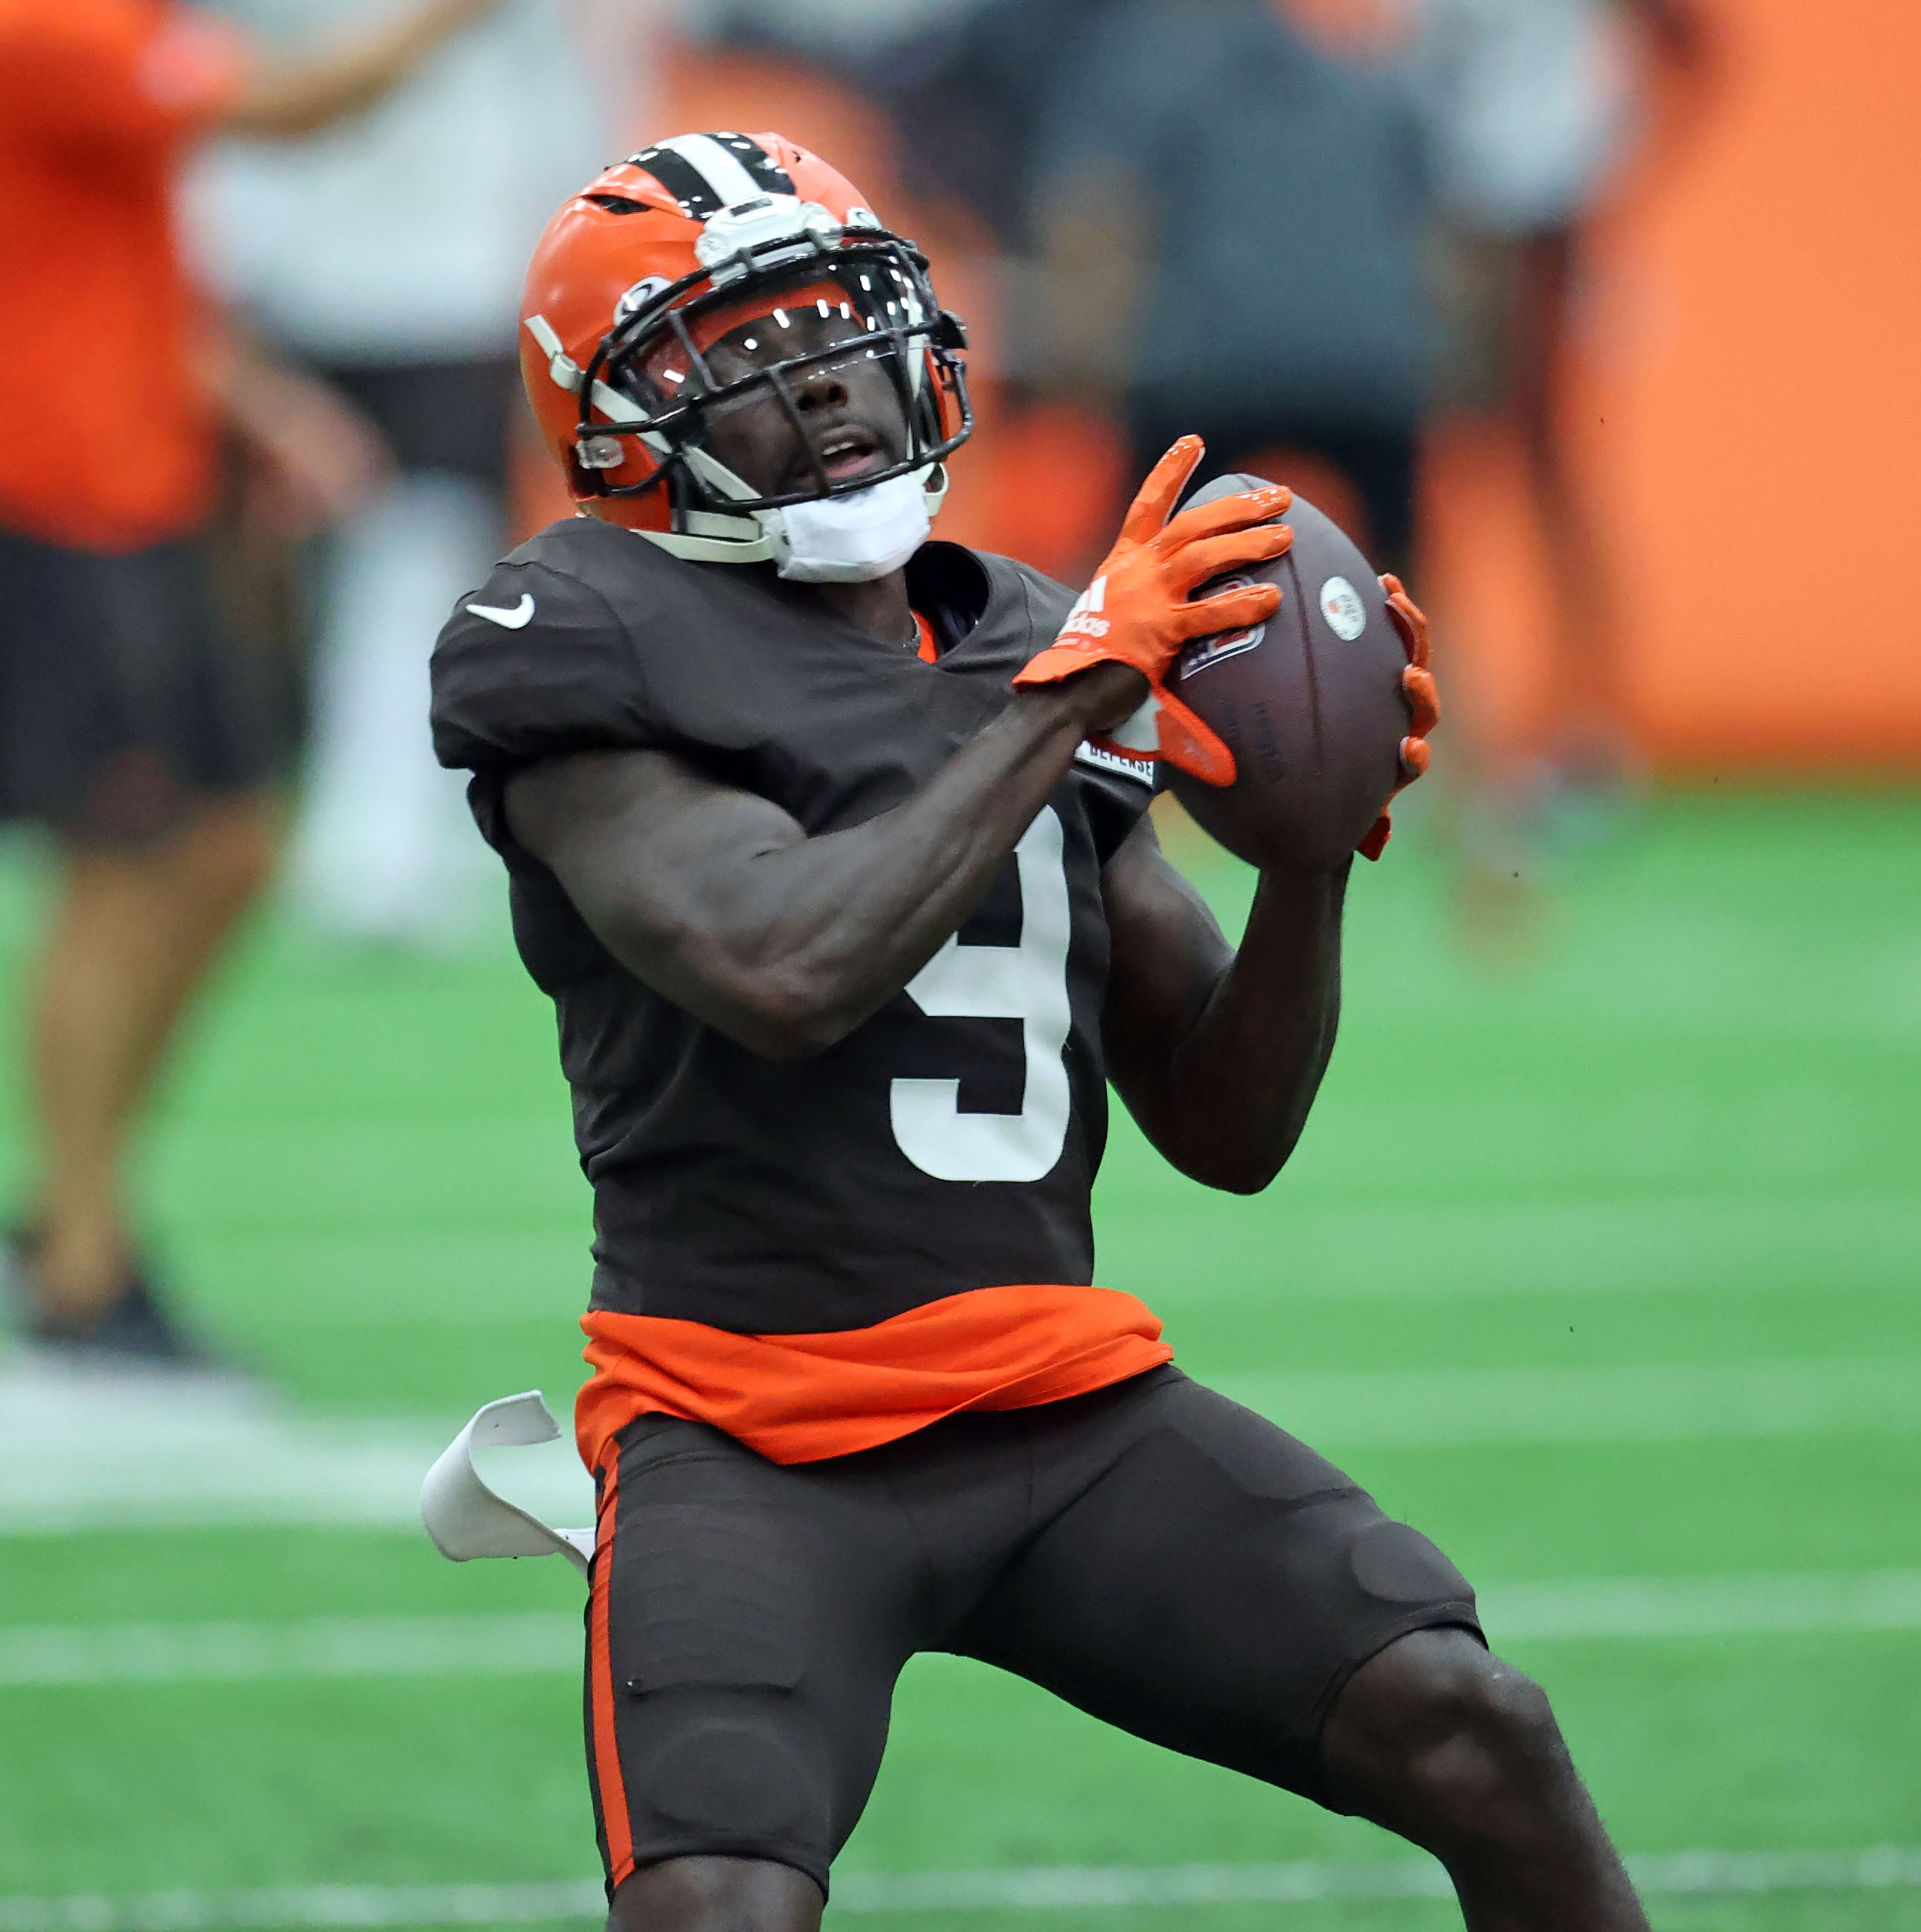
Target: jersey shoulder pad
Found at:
x=535, y=663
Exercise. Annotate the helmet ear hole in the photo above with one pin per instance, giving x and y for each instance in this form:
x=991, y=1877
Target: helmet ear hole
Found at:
x=582, y=483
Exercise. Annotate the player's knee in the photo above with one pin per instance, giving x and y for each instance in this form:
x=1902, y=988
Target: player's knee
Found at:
x=716, y=1894
x=1438, y=1735
x=1498, y=1738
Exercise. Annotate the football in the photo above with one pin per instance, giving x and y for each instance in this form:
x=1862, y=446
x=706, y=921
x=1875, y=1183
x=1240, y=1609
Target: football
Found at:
x=1310, y=703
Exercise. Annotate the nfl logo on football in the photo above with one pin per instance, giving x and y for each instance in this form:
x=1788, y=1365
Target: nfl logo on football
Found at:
x=1204, y=652
x=1342, y=607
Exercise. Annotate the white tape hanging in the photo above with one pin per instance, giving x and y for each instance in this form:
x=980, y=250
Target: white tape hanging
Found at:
x=464, y=1519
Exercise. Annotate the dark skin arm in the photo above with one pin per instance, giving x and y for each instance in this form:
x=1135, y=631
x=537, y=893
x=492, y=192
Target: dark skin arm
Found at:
x=720, y=901
x=1218, y=1054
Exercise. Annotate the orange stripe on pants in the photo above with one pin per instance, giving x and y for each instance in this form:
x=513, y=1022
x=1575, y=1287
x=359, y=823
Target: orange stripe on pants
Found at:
x=613, y=1819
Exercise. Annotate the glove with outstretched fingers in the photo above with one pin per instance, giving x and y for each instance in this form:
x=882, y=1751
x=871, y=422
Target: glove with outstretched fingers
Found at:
x=1138, y=611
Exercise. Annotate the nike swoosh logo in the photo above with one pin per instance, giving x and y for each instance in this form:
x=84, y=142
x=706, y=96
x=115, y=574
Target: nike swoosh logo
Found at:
x=515, y=617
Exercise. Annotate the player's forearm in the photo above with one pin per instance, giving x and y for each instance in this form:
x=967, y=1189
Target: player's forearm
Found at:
x=287, y=99
x=832, y=927
x=1239, y=1086
x=722, y=904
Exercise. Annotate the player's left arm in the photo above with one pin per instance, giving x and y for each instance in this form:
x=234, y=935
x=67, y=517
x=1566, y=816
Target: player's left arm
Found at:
x=1218, y=1054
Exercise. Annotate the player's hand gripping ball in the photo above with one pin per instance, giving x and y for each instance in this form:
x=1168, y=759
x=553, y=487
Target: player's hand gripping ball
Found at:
x=1423, y=702
x=1146, y=601
x=1325, y=707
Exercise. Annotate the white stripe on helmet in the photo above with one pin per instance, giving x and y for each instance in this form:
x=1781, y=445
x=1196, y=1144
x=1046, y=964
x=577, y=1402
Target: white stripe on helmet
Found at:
x=721, y=171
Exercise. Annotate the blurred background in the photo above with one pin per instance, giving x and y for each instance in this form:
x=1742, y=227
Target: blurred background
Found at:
x=1594, y=318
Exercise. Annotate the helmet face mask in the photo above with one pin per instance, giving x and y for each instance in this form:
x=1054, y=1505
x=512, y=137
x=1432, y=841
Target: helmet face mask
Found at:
x=777, y=364
x=829, y=418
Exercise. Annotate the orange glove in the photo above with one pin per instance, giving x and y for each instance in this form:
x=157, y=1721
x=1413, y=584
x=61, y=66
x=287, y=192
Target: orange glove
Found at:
x=1136, y=610
x=1424, y=700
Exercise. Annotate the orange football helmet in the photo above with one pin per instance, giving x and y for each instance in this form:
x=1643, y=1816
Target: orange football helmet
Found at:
x=647, y=268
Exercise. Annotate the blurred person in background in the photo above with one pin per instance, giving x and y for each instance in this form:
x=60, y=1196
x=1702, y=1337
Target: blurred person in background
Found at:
x=970, y=97
x=1203, y=220
x=386, y=258
x=127, y=727
x=1533, y=108
x=1231, y=226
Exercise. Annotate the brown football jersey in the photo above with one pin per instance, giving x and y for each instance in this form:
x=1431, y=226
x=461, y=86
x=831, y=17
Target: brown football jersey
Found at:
x=950, y=1142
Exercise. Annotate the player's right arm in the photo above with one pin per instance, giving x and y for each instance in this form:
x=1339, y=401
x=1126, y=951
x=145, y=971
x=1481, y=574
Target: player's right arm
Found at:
x=720, y=902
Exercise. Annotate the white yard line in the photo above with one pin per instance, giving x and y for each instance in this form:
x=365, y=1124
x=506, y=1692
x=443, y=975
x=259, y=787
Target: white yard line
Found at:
x=1817, y=1603
x=57, y=1654
x=83, y=1452
x=1653, y=1402
x=80, y=1453
x=314, y=1905
x=153, y=1451
x=1069, y=1887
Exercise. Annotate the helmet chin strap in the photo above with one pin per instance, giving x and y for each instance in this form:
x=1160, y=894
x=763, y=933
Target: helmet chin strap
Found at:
x=828, y=545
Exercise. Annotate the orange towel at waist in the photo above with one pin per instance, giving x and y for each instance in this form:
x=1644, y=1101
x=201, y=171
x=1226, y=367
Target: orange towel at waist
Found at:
x=801, y=1398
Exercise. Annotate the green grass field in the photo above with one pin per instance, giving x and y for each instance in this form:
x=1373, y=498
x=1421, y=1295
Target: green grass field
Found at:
x=1605, y=1269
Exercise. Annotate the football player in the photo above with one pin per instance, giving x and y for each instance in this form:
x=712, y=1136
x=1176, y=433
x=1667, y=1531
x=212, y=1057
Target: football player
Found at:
x=830, y=844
